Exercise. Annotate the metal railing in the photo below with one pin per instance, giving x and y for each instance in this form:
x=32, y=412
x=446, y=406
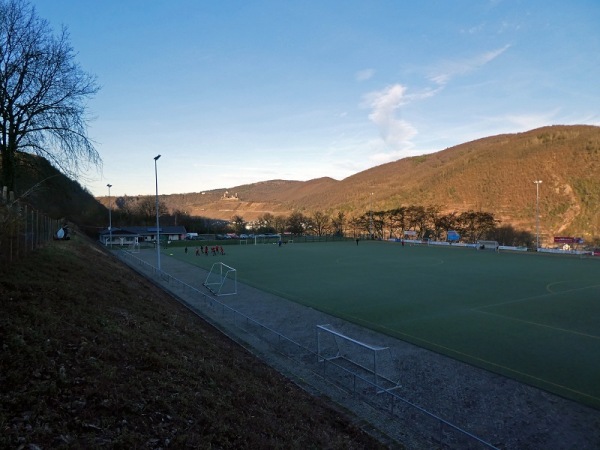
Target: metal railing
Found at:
x=429, y=426
x=23, y=229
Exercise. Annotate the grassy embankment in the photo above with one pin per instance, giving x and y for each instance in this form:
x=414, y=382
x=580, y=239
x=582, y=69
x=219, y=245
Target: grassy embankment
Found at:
x=94, y=355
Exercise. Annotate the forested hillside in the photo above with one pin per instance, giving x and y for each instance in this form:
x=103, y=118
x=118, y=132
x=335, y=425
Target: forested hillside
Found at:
x=493, y=174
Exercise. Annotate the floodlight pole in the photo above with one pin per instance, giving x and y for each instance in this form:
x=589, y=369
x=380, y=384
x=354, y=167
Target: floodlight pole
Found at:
x=371, y=217
x=537, y=213
x=157, y=222
x=109, y=215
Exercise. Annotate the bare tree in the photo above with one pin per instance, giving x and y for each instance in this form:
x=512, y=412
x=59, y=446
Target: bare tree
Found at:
x=397, y=220
x=43, y=94
x=265, y=223
x=146, y=209
x=356, y=223
x=297, y=223
x=338, y=223
x=321, y=223
x=239, y=224
x=444, y=223
x=363, y=223
x=279, y=223
x=475, y=224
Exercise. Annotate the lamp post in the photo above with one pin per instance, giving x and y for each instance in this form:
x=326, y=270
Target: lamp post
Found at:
x=109, y=215
x=537, y=213
x=371, y=217
x=157, y=223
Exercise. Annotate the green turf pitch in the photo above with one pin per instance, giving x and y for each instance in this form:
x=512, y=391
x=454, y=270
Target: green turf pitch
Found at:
x=533, y=317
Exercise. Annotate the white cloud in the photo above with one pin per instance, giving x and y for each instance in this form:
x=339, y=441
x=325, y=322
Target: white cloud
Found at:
x=364, y=75
x=450, y=69
x=395, y=133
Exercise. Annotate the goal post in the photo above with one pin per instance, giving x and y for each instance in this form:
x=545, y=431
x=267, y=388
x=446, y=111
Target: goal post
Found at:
x=221, y=280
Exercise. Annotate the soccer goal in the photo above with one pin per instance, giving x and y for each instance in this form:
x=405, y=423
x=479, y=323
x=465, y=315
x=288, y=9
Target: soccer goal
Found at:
x=221, y=280
x=357, y=357
x=134, y=247
x=488, y=245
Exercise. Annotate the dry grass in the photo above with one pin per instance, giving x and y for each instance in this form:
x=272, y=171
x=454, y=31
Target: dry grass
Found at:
x=95, y=356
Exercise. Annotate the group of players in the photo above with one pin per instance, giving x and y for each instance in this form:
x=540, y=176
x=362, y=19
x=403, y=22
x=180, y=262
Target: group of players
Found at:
x=203, y=249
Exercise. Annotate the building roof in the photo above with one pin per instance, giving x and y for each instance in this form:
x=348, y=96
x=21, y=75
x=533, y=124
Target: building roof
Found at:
x=152, y=230
x=143, y=231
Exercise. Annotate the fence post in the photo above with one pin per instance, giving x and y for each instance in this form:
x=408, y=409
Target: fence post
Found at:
x=32, y=230
x=19, y=232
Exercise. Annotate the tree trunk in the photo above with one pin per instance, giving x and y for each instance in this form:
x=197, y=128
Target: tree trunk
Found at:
x=8, y=168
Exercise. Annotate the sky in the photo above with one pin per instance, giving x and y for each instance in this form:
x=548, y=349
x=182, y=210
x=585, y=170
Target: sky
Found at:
x=237, y=92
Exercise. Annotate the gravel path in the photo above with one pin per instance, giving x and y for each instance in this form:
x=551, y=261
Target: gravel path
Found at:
x=498, y=410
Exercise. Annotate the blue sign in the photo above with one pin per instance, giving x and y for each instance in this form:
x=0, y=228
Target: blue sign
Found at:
x=453, y=235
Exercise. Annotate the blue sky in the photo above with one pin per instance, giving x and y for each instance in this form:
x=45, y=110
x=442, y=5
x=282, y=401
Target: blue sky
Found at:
x=236, y=92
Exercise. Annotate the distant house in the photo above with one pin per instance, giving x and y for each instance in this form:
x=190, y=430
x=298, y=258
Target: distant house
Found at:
x=132, y=235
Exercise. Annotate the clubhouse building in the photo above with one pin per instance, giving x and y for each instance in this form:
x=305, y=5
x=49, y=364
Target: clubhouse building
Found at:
x=126, y=236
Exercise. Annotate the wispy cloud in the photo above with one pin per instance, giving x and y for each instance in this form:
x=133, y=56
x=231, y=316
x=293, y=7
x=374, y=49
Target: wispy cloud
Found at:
x=508, y=123
x=364, y=74
x=553, y=116
x=531, y=121
x=397, y=133
x=451, y=69
x=473, y=30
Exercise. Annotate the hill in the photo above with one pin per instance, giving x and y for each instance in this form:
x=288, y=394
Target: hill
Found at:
x=46, y=189
x=493, y=174
x=93, y=355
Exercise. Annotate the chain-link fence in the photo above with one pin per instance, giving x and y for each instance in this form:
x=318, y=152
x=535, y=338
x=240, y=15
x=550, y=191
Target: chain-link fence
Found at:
x=419, y=426
x=23, y=228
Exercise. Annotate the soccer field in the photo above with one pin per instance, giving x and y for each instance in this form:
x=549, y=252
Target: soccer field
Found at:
x=532, y=317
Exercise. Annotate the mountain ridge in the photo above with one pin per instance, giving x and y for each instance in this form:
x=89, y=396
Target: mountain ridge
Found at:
x=493, y=174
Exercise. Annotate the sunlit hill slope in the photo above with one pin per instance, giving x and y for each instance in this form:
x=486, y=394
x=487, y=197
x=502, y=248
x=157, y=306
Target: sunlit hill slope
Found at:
x=492, y=174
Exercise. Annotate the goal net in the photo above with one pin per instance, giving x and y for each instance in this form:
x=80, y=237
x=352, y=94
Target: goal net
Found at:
x=221, y=280
x=488, y=245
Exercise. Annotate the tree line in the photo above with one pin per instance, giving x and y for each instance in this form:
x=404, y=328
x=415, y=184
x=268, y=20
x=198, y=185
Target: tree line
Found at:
x=422, y=222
